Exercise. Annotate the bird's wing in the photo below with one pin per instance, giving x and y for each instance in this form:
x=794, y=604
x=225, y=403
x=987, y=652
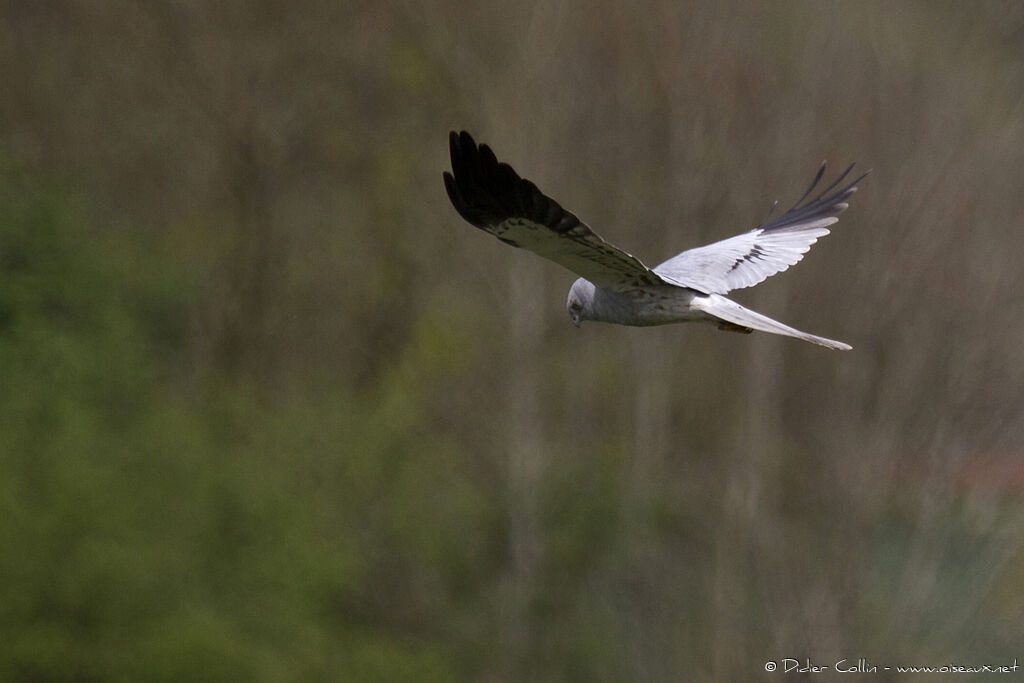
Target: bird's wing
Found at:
x=491, y=195
x=747, y=259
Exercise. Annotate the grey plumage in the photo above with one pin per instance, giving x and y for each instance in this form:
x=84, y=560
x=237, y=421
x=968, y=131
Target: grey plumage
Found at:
x=615, y=286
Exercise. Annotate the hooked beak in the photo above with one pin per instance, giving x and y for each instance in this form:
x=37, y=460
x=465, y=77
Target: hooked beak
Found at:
x=576, y=320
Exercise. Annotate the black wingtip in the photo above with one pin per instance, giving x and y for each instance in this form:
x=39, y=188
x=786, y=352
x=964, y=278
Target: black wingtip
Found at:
x=814, y=183
x=823, y=203
x=462, y=141
x=460, y=145
x=486, y=191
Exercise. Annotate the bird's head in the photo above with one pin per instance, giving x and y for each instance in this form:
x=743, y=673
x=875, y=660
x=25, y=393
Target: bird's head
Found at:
x=581, y=296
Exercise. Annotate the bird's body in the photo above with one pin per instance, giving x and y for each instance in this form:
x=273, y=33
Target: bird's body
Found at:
x=639, y=306
x=615, y=287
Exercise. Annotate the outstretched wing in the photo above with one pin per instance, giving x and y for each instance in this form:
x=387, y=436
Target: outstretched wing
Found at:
x=493, y=197
x=747, y=259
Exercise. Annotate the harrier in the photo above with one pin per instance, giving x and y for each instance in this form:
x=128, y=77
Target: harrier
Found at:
x=616, y=287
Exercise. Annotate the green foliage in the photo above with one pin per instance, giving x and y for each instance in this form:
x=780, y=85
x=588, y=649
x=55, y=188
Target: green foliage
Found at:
x=155, y=536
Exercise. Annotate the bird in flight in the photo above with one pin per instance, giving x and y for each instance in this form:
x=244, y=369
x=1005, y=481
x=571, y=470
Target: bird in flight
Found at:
x=615, y=287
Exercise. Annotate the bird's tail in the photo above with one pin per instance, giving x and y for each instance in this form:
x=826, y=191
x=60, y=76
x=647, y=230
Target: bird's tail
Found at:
x=728, y=310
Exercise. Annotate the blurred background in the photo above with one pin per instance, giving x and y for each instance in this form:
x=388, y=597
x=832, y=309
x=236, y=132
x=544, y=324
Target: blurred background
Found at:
x=271, y=411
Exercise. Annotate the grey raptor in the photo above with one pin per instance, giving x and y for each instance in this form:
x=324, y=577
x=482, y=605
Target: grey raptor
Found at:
x=616, y=287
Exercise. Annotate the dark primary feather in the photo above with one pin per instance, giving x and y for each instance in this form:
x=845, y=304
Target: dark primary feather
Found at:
x=492, y=196
x=819, y=207
x=487, y=192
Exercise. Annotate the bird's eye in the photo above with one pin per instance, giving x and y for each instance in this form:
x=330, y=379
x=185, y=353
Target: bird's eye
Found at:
x=575, y=305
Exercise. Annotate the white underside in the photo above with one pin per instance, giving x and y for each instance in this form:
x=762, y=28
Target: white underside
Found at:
x=668, y=304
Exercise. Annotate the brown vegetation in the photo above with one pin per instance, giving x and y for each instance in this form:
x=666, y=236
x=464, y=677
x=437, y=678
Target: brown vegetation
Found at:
x=402, y=451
